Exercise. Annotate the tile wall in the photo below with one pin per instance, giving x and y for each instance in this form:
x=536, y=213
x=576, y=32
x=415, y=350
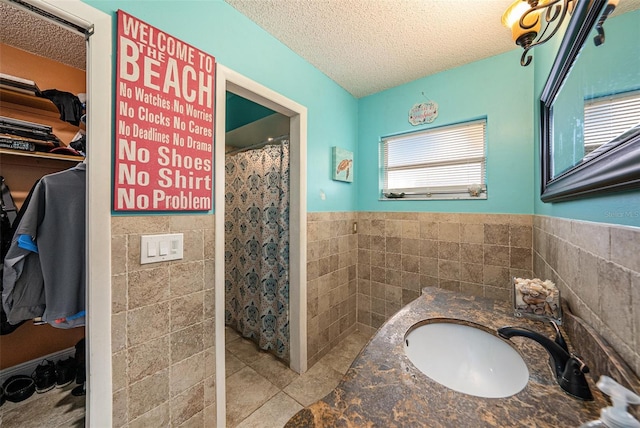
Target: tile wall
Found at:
x=597, y=268
x=331, y=281
x=163, y=325
x=400, y=253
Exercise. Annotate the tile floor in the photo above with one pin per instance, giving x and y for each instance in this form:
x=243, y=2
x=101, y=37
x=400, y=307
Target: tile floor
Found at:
x=262, y=392
x=36, y=411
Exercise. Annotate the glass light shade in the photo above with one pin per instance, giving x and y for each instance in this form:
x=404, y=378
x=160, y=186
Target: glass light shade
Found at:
x=511, y=19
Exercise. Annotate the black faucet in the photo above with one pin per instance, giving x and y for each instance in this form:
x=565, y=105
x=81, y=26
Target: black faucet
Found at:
x=569, y=368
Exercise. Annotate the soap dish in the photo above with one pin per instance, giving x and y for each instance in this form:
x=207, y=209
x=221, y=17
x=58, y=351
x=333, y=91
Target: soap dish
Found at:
x=536, y=299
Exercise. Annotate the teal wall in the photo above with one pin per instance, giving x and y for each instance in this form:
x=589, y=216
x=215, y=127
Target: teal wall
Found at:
x=218, y=29
x=619, y=49
x=497, y=88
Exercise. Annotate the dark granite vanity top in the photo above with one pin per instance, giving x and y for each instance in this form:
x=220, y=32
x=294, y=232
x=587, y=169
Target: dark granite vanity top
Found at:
x=384, y=389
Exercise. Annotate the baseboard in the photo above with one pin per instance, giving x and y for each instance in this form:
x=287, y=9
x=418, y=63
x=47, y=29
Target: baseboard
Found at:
x=28, y=367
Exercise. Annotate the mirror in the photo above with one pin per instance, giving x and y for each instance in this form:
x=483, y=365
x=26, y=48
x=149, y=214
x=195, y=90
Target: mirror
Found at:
x=590, y=106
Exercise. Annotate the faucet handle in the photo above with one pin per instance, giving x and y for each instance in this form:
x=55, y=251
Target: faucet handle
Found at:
x=582, y=366
x=559, y=338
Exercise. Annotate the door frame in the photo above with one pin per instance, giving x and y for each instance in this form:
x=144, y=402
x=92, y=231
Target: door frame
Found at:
x=99, y=398
x=229, y=80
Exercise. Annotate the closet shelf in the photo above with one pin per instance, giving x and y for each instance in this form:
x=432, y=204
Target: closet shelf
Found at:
x=23, y=99
x=41, y=155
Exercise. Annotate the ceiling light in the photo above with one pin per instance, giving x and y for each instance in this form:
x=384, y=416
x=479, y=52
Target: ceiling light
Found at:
x=531, y=20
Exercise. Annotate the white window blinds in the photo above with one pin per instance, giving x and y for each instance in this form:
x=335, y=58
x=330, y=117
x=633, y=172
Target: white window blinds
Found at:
x=605, y=118
x=436, y=163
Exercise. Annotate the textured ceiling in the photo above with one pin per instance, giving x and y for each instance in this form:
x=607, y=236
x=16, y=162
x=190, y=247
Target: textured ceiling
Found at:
x=367, y=46
x=31, y=33
x=370, y=45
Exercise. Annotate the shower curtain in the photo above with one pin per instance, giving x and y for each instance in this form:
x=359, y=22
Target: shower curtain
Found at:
x=257, y=246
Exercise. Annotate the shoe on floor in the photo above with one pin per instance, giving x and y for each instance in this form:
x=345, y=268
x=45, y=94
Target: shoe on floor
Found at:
x=44, y=376
x=79, y=390
x=65, y=372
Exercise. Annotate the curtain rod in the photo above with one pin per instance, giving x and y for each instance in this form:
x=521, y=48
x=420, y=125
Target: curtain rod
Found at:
x=259, y=145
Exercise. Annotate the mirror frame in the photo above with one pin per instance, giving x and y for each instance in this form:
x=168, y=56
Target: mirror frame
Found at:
x=614, y=170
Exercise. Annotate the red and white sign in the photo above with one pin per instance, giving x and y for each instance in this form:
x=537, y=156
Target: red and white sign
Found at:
x=164, y=121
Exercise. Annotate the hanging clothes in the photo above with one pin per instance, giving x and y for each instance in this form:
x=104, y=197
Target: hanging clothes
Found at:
x=257, y=246
x=44, y=269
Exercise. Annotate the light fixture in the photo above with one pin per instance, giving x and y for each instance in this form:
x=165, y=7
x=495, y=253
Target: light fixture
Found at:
x=531, y=20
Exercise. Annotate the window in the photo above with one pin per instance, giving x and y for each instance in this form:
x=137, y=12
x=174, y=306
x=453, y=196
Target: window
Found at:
x=440, y=163
x=606, y=118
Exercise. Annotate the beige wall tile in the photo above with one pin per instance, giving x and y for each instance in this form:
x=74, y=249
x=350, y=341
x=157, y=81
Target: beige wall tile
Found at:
x=186, y=342
x=595, y=266
x=428, y=229
x=594, y=236
x=147, y=359
x=118, y=332
x=186, y=278
x=521, y=235
x=449, y=232
x=187, y=310
x=521, y=258
x=147, y=323
x=193, y=245
x=449, y=250
x=496, y=276
x=497, y=234
x=157, y=417
x=496, y=255
x=471, y=253
x=473, y=233
x=119, y=369
x=148, y=286
x=449, y=269
x=120, y=410
x=118, y=293
x=118, y=254
x=149, y=393
x=187, y=373
x=181, y=223
x=393, y=228
x=614, y=287
x=122, y=225
x=623, y=239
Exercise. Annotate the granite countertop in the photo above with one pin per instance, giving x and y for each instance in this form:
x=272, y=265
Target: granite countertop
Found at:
x=382, y=388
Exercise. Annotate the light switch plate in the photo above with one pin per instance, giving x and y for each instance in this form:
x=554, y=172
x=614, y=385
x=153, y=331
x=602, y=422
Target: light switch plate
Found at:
x=161, y=248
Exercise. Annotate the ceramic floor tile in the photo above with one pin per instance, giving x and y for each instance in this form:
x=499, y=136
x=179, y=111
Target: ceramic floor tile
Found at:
x=314, y=384
x=230, y=335
x=232, y=364
x=341, y=357
x=274, y=370
x=273, y=414
x=246, y=392
x=245, y=350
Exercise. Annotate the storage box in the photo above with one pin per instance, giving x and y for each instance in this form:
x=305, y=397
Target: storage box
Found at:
x=536, y=299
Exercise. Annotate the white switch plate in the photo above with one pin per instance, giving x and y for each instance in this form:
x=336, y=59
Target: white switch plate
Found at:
x=161, y=248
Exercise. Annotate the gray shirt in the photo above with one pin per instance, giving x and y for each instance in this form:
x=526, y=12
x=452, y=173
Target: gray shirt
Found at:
x=55, y=221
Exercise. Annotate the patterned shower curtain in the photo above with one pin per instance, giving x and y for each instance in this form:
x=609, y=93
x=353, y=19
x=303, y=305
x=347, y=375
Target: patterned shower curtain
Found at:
x=257, y=246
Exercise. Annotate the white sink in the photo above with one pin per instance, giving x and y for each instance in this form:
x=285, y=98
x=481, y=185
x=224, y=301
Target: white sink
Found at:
x=466, y=359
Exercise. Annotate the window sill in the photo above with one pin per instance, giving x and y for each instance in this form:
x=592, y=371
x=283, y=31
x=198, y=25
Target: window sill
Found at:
x=482, y=197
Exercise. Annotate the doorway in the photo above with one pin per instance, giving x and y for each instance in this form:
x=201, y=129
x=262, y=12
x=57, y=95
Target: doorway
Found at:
x=229, y=81
x=84, y=18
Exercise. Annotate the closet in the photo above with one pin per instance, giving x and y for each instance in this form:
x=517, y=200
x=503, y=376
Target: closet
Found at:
x=21, y=169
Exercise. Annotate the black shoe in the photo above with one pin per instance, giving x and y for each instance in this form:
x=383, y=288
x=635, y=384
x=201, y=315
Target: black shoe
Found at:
x=80, y=362
x=44, y=376
x=65, y=372
x=79, y=390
